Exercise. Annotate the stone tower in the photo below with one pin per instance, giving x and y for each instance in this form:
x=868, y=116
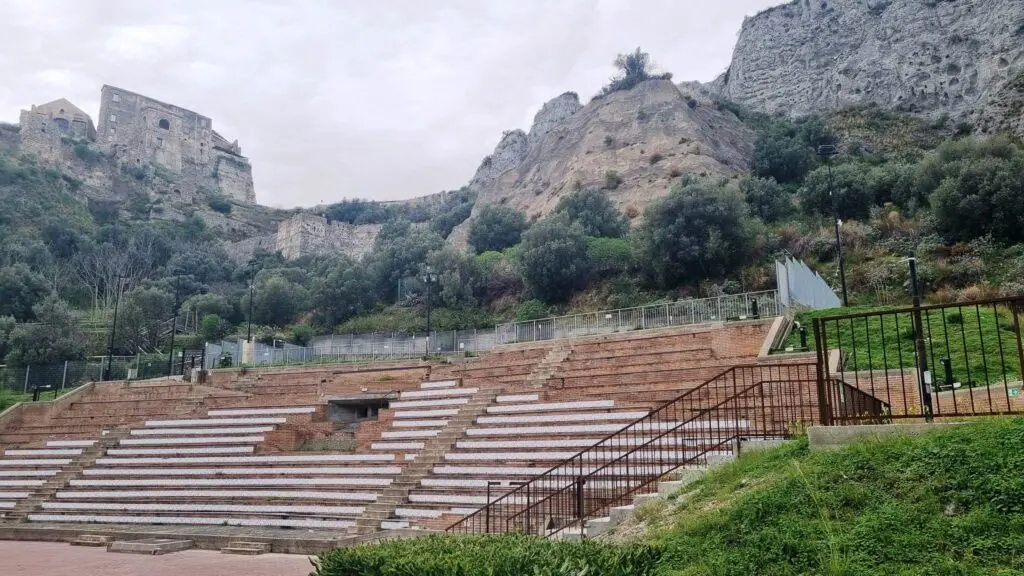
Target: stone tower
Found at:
x=43, y=128
x=138, y=130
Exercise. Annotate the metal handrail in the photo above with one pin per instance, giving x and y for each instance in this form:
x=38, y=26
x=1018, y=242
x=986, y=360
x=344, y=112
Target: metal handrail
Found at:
x=647, y=449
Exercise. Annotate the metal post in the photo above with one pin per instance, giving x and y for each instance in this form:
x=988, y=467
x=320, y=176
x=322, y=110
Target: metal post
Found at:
x=27, y=368
x=64, y=378
x=924, y=377
x=113, y=329
x=827, y=152
x=174, y=325
x=252, y=284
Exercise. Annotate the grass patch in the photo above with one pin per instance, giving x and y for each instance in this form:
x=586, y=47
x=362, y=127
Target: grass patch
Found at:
x=950, y=502
x=980, y=343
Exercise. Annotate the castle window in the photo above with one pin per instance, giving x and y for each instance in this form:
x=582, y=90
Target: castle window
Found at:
x=113, y=117
x=116, y=97
x=165, y=124
x=113, y=130
x=61, y=110
x=159, y=142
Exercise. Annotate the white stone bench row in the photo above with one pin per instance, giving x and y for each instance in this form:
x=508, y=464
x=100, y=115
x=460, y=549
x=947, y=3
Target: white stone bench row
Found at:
x=253, y=421
x=249, y=522
x=629, y=440
x=199, y=440
x=391, y=434
x=437, y=393
x=402, y=405
x=463, y=499
x=70, y=443
x=417, y=414
x=438, y=384
x=516, y=398
x=14, y=495
x=180, y=451
x=221, y=494
x=43, y=452
x=200, y=431
x=27, y=473
x=279, y=470
x=519, y=471
x=558, y=456
x=237, y=508
x=21, y=483
x=262, y=411
x=36, y=462
x=397, y=445
x=420, y=423
x=552, y=406
x=182, y=482
x=543, y=418
x=431, y=512
x=285, y=459
x=7, y=505
x=607, y=428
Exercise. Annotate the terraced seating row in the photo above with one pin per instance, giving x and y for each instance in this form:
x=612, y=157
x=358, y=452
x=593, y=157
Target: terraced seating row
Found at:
x=23, y=471
x=207, y=471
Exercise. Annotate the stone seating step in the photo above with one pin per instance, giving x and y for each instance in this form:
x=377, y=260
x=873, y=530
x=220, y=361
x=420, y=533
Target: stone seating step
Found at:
x=188, y=520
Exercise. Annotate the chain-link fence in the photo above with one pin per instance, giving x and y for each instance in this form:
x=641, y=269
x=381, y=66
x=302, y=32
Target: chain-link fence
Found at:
x=342, y=348
x=70, y=374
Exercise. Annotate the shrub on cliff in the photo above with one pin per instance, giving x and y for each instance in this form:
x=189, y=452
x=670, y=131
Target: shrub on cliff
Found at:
x=495, y=228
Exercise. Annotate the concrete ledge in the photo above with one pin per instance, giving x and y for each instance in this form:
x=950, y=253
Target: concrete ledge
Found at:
x=757, y=445
x=827, y=437
x=150, y=546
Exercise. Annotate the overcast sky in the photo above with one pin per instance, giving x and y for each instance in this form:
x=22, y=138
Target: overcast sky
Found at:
x=381, y=99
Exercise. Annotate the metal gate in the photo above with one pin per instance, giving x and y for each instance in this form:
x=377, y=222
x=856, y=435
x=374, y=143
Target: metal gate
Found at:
x=921, y=362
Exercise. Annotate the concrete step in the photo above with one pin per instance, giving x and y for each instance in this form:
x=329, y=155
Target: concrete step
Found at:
x=598, y=526
x=619, y=513
x=246, y=548
x=94, y=540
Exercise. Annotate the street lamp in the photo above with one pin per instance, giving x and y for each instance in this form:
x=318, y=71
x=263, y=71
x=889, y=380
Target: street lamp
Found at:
x=827, y=151
x=113, y=329
x=252, y=283
x=174, y=325
x=429, y=277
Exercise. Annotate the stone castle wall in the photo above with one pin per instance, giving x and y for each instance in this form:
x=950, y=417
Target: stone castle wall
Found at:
x=309, y=235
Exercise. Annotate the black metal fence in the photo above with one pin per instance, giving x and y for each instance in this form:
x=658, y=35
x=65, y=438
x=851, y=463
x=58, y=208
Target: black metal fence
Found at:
x=63, y=376
x=936, y=361
x=744, y=402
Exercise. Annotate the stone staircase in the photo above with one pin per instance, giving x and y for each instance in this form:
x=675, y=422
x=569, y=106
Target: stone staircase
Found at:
x=547, y=367
x=433, y=452
x=68, y=473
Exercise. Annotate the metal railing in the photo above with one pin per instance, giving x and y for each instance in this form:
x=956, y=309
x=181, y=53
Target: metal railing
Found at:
x=936, y=361
x=680, y=313
x=760, y=401
x=70, y=374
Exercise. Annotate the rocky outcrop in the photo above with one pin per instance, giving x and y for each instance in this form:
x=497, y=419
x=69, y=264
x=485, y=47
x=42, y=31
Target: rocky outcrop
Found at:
x=931, y=57
x=635, y=143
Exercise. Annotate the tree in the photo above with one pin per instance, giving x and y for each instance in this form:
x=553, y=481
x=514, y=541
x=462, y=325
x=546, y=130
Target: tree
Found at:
x=7, y=324
x=782, y=153
x=400, y=258
x=55, y=338
x=457, y=277
x=696, y=232
x=20, y=290
x=633, y=68
x=346, y=291
x=595, y=212
x=768, y=200
x=985, y=198
x=609, y=256
x=553, y=258
x=204, y=305
x=144, y=319
x=212, y=328
x=850, y=187
x=496, y=227
x=278, y=301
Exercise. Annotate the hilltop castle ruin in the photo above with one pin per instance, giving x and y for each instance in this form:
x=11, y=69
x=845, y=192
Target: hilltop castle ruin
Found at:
x=136, y=131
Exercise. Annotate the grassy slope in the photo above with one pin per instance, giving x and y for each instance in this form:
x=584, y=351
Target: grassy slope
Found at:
x=980, y=342
x=946, y=503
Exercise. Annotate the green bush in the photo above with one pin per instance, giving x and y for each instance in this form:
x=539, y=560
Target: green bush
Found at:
x=495, y=228
x=220, y=204
x=531, y=310
x=595, y=212
x=512, y=555
x=553, y=258
x=609, y=256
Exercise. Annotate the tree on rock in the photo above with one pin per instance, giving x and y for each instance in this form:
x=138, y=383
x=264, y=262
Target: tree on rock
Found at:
x=634, y=67
x=495, y=228
x=595, y=212
x=553, y=258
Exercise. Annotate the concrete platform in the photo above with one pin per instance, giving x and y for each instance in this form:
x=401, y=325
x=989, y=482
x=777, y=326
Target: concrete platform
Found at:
x=149, y=546
x=285, y=541
x=830, y=437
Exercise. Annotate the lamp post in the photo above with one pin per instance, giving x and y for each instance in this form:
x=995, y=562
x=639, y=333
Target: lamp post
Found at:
x=924, y=376
x=113, y=329
x=429, y=277
x=252, y=283
x=174, y=326
x=827, y=152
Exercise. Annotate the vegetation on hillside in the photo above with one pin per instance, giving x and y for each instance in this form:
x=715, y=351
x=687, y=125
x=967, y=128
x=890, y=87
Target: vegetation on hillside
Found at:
x=900, y=185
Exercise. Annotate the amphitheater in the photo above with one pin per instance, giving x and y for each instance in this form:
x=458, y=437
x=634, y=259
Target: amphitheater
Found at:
x=302, y=459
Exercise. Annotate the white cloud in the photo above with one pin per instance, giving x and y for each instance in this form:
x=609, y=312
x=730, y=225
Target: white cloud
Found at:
x=336, y=98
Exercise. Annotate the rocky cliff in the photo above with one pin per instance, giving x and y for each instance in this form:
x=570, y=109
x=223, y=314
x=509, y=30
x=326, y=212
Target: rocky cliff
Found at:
x=931, y=57
x=634, y=143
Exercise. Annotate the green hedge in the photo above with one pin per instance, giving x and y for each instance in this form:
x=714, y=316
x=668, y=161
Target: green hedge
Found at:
x=513, y=555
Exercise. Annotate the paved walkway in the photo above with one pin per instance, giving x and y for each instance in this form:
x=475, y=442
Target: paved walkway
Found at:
x=58, y=559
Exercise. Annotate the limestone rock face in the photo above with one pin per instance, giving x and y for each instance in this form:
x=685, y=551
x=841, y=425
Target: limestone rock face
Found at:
x=635, y=143
x=930, y=57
